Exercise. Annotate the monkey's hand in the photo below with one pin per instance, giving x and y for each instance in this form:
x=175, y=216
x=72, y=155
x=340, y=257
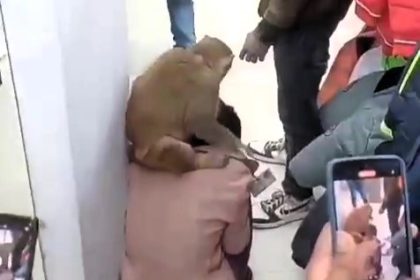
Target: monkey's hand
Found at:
x=253, y=49
x=205, y=159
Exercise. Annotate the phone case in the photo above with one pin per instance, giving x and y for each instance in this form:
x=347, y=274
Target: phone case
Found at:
x=331, y=200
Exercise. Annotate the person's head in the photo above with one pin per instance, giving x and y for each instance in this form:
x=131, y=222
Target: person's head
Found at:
x=226, y=117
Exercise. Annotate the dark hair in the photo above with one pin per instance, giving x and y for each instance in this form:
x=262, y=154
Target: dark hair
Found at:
x=226, y=117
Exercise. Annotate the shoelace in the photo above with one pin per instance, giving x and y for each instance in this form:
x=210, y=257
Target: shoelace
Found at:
x=276, y=200
x=271, y=146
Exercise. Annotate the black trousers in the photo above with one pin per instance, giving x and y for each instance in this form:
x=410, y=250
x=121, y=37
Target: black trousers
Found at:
x=301, y=57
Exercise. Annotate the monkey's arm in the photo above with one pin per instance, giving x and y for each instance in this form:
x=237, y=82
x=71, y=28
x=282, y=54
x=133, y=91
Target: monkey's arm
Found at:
x=173, y=155
x=215, y=134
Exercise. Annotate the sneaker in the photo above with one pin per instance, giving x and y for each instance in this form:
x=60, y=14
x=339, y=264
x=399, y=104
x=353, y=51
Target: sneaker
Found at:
x=282, y=209
x=269, y=152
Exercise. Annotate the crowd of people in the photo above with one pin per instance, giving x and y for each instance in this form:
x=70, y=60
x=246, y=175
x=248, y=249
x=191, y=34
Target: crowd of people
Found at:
x=201, y=227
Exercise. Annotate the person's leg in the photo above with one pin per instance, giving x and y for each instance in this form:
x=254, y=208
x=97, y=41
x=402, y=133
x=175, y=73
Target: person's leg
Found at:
x=357, y=190
x=353, y=198
x=393, y=205
x=181, y=14
x=301, y=57
x=363, y=195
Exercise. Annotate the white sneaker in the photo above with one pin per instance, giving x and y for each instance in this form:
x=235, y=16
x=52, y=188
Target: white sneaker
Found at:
x=269, y=151
x=282, y=209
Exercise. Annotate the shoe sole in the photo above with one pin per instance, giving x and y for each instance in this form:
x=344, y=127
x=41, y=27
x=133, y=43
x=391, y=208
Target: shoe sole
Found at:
x=279, y=223
x=264, y=159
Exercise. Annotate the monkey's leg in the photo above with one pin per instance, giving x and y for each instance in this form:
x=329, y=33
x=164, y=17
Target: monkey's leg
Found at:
x=171, y=154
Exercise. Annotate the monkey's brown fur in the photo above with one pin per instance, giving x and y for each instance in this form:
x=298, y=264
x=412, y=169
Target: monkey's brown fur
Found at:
x=178, y=97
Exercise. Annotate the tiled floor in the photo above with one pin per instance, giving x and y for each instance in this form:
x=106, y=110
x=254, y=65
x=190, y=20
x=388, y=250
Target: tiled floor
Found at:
x=250, y=88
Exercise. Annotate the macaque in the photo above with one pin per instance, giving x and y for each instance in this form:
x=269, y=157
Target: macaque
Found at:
x=358, y=222
x=177, y=98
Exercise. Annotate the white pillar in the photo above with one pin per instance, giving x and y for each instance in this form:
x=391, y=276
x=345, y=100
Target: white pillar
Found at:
x=70, y=67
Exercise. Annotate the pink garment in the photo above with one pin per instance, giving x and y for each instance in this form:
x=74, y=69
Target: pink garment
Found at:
x=177, y=225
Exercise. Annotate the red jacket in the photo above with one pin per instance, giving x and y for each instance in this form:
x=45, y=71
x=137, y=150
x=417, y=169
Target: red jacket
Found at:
x=397, y=23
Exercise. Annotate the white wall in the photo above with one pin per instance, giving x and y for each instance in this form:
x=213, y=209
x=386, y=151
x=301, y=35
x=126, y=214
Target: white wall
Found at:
x=93, y=35
x=15, y=192
x=69, y=61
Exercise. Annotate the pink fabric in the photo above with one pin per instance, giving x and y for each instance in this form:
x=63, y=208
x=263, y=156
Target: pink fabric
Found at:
x=177, y=225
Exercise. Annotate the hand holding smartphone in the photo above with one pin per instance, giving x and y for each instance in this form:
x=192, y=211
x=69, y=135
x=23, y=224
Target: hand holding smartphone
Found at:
x=368, y=201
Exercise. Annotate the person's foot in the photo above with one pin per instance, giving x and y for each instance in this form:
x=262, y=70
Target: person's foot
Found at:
x=282, y=209
x=269, y=151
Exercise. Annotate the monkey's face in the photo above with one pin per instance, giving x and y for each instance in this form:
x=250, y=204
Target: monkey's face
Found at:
x=218, y=56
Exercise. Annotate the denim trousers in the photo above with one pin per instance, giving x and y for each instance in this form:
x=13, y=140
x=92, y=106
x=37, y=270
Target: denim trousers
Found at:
x=181, y=14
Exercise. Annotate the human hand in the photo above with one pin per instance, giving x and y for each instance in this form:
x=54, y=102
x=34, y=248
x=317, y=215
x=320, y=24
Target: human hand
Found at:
x=362, y=260
x=351, y=261
x=253, y=49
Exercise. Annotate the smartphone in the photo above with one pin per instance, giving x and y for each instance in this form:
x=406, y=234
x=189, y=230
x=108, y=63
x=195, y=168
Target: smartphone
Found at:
x=377, y=185
x=18, y=237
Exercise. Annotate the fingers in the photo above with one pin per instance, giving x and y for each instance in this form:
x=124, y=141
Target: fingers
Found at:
x=262, y=57
x=367, y=259
x=248, y=56
x=242, y=54
x=254, y=58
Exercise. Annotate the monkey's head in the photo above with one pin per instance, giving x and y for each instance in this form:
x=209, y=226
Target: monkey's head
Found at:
x=216, y=54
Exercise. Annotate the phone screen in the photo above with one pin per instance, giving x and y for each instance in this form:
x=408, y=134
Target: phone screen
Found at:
x=372, y=192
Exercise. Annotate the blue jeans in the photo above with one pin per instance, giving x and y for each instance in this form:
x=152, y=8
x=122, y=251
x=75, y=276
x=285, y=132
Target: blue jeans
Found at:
x=181, y=14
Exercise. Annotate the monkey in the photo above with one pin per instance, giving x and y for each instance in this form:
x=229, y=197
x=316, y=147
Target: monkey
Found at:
x=358, y=221
x=178, y=97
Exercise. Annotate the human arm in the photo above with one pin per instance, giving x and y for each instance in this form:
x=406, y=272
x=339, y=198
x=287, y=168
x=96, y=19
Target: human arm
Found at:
x=282, y=14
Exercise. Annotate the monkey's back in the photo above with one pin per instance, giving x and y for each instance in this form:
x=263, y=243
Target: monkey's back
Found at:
x=160, y=97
